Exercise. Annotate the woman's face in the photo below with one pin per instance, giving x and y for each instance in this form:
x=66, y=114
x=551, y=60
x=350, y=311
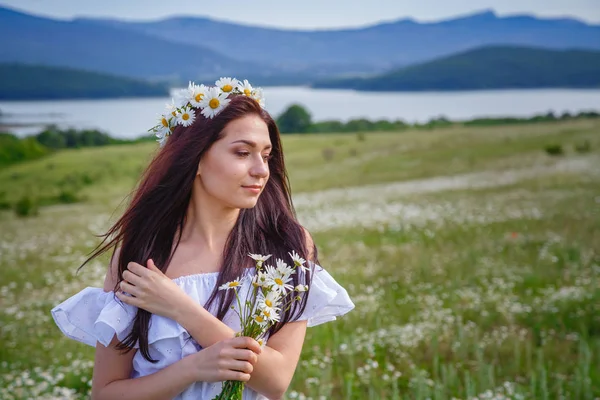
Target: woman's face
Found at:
x=235, y=170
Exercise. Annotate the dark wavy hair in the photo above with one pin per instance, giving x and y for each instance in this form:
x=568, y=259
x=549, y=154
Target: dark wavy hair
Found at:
x=150, y=226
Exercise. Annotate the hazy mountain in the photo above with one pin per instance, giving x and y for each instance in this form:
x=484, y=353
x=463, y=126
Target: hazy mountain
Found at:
x=180, y=48
x=78, y=44
x=496, y=67
x=374, y=48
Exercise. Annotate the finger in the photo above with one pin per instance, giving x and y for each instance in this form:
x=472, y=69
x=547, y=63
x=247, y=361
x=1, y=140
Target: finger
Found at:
x=245, y=355
x=131, y=277
x=127, y=299
x=128, y=288
x=152, y=266
x=237, y=365
x=245, y=342
x=236, y=376
x=137, y=269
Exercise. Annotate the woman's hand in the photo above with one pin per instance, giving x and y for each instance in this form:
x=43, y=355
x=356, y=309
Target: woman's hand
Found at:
x=152, y=290
x=231, y=359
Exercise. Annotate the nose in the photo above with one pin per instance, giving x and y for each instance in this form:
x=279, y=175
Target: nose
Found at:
x=259, y=169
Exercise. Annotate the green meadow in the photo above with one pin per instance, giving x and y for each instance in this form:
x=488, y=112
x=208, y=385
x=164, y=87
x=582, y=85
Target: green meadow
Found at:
x=472, y=255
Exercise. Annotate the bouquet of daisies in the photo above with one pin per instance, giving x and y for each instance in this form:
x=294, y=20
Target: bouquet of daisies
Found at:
x=262, y=305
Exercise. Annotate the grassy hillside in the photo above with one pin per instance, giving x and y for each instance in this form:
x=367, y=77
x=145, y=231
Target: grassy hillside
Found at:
x=31, y=82
x=470, y=253
x=496, y=67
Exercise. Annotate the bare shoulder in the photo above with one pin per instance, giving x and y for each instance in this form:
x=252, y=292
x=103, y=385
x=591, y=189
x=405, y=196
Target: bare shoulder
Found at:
x=310, y=244
x=112, y=274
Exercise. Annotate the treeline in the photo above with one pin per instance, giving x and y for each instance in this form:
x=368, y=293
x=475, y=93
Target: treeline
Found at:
x=14, y=149
x=35, y=82
x=297, y=119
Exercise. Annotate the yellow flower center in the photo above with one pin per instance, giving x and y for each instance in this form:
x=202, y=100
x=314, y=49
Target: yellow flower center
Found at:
x=174, y=113
x=164, y=122
x=234, y=284
x=278, y=281
x=214, y=103
x=199, y=97
x=227, y=88
x=185, y=116
x=267, y=313
x=268, y=303
x=247, y=92
x=260, y=319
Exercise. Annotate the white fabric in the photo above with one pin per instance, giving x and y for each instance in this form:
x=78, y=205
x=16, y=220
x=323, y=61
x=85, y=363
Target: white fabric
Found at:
x=94, y=315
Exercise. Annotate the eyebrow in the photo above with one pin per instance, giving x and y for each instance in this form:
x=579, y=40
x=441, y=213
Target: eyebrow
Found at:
x=251, y=143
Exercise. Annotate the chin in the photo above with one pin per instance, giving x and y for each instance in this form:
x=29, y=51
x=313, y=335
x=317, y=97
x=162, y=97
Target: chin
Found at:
x=246, y=203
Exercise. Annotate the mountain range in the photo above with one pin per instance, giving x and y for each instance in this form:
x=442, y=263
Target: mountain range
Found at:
x=490, y=67
x=178, y=49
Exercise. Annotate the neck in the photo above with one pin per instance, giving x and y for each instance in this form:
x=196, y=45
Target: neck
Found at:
x=208, y=222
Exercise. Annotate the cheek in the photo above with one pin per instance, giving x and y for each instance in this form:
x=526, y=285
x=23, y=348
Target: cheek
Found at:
x=223, y=174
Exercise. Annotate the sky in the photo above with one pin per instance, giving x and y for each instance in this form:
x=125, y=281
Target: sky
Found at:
x=306, y=14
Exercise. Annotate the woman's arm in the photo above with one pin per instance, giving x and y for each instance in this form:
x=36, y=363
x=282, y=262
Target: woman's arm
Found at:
x=224, y=360
x=112, y=370
x=276, y=364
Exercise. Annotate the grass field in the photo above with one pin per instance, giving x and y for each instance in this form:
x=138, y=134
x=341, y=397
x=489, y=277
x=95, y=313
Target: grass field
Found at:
x=473, y=258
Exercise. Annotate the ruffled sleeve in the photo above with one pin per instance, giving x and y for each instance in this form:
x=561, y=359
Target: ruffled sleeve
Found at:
x=327, y=299
x=94, y=315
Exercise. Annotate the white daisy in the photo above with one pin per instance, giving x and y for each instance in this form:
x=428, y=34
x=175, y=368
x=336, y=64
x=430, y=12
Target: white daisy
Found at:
x=283, y=268
x=161, y=131
x=164, y=123
x=245, y=88
x=186, y=117
x=234, y=284
x=171, y=110
x=162, y=141
x=262, y=342
x=260, y=259
x=227, y=84
x=298, y=261
x=213, y=102
x=271, y=315
x=259, y=279
x=301, y=288
x=277, y=281
x=180, y=98
x=259, y=96
x=269, y=302
x=196, y=93
x=260, y=319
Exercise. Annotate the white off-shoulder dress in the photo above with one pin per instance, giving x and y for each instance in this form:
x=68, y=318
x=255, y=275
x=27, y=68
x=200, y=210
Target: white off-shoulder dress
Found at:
x=94, y=315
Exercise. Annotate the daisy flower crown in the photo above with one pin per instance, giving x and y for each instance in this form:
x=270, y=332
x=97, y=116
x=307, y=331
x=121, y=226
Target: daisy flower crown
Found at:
x=208, y=100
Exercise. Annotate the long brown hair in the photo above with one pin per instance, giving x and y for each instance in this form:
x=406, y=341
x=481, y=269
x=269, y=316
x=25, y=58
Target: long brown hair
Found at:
x=149, y=227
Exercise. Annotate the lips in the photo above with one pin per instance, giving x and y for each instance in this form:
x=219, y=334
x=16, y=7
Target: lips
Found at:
x=253, y=186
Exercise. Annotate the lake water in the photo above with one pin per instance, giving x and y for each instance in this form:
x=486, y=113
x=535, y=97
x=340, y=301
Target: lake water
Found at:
x=128, y=118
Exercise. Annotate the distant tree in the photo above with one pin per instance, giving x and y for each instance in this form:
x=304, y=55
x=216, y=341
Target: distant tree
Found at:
x=13, y=149
x=296, y=119
x=52, y=138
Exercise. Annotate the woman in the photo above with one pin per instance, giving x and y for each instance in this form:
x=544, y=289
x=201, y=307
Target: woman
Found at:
x=216, y=191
